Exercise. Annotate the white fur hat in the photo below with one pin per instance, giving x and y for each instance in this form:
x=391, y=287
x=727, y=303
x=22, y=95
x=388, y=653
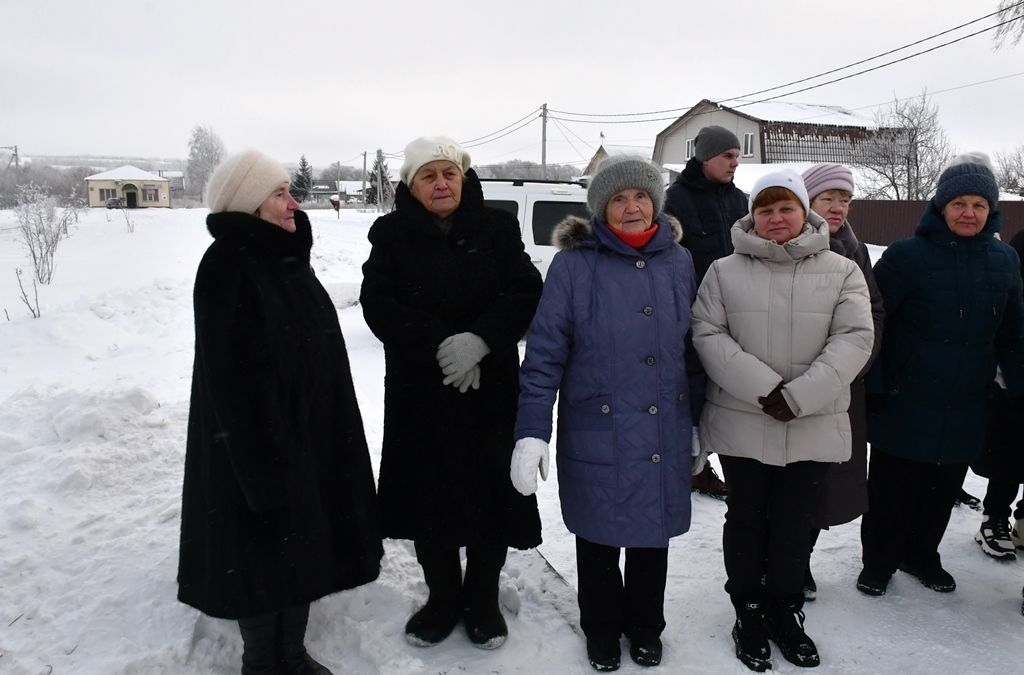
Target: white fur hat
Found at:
x=242, y=182
x=426, y=149
x=783, y=178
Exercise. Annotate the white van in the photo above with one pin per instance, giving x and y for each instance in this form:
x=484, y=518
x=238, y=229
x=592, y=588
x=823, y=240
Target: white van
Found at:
x=539, y=206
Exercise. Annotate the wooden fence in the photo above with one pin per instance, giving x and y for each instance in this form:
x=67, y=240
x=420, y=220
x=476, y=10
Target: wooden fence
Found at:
x=885, y=221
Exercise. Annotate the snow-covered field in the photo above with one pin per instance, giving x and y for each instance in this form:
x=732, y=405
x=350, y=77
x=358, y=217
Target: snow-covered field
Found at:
x=92, y=440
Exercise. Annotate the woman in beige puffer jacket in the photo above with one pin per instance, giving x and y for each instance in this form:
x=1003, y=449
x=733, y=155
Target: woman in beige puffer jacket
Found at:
x=782, y=327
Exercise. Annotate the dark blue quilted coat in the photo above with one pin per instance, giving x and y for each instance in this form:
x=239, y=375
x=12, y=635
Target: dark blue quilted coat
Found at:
x=610, y=337
x=953, y=311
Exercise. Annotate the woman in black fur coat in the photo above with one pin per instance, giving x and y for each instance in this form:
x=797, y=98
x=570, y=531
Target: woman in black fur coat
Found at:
x=278, y=505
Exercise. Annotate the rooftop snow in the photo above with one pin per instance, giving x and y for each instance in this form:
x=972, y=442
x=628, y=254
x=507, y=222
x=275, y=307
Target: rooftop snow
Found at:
x=126, y=172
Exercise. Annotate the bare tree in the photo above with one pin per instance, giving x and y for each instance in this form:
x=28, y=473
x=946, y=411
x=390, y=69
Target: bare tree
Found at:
x=1010, y=170
x=205, y=150
x=909, y=152
x=1011, y=16
x=41, y=228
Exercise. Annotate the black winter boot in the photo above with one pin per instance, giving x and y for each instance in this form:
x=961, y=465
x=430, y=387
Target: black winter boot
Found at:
x=645, y=651
x=259, y=644
x=481, y=612
x=292, y=657
x=786, y=628
x=604, y=654
x=435, y=621
x=750, y=635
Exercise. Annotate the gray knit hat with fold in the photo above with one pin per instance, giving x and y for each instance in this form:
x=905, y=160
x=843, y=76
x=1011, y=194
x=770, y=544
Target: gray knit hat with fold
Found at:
x=712, y=141
x=624, y=172
x=967, y=174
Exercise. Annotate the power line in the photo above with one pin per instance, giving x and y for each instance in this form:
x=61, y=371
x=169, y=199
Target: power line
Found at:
x=561, y=129
x=812, y=77
x=478, y=141
x=474, y=140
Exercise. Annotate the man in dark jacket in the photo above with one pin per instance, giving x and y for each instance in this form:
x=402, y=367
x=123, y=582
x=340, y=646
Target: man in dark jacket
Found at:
x=707, y=203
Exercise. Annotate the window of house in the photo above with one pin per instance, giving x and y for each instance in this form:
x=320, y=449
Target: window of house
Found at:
x=689, y=148
x=748, y=144
x=150, y=194
x=107, y=193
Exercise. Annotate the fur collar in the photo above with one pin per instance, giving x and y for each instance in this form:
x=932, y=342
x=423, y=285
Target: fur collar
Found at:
x=573, y=231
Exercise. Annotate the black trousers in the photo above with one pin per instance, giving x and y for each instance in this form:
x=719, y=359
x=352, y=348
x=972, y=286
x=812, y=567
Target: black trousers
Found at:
x=609, y=607
x=909, y=504
x=768, y=522
x=999, y=498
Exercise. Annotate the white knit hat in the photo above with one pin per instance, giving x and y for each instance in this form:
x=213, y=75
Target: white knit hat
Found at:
x=783, y=178
x=426, y=149
x=244, y=181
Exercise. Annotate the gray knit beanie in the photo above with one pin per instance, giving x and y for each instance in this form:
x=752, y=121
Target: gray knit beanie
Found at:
x=967, y=174
x=712, y=141
x=242, y=182
x=623, y=172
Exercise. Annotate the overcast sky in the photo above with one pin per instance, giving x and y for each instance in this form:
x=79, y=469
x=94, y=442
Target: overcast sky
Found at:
x=334, y=78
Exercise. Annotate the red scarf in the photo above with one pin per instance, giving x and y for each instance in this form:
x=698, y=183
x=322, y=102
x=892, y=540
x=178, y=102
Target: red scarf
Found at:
x=636, y=239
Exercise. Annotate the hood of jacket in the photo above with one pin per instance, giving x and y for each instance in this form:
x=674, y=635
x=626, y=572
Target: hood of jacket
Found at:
x=575, y=232
x=812, y=240
x=933, y=225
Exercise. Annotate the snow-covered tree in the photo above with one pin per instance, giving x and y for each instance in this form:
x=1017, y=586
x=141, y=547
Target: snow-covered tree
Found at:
x=205, y=150
x=339, y=171
x=380, y=176
x=302, y=180
x=1012, y=32
x=909, y=152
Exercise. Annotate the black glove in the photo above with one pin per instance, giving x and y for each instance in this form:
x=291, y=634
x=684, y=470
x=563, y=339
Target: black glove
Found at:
x=774, y=404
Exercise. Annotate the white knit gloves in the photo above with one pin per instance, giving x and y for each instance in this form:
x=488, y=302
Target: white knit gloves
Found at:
x=529, y=456
x=459, y=356
x=700, y=455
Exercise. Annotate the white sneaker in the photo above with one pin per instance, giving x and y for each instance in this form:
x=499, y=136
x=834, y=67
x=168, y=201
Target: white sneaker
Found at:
x=1017, y=534
x=994, y=538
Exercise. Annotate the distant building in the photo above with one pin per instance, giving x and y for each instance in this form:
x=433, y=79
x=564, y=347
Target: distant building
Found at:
x=772, y=132
x=137, y=188
x=614, y=150
x=348, y=191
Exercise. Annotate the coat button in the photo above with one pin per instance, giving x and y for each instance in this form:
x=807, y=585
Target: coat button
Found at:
x=682, y=397
x=605, y=409
x=653, y=410
x=656, y=458
x=648, y=310
x=640, y=264
x=650, y=360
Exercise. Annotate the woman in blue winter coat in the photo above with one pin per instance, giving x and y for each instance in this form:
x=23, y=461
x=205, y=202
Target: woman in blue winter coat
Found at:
x=953, y=312
x=610, y=339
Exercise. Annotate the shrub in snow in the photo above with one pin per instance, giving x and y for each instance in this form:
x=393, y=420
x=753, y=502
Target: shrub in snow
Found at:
x=41, y=227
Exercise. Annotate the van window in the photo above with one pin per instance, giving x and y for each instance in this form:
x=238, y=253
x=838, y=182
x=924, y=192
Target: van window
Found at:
x=505, y=205
x=546, y=215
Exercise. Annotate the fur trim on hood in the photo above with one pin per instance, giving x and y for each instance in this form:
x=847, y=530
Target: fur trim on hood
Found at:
x=573, y=231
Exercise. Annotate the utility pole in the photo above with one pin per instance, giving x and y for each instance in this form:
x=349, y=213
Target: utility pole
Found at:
x=14, y=158
x=379, y=168
x=544, y=140
x=339, y=190
x=364, y=180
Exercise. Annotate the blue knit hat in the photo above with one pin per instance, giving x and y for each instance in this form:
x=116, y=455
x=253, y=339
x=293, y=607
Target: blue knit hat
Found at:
x=967, y=174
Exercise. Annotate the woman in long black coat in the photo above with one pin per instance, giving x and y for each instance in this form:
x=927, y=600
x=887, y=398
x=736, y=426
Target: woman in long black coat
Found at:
x=450, y=291
x=278, y=505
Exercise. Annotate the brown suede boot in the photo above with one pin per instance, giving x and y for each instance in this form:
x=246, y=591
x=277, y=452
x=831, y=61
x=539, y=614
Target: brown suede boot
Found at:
x=708, y=483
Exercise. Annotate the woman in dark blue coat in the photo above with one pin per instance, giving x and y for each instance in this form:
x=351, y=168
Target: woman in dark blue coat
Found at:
x=954, y=312
x=608, y=339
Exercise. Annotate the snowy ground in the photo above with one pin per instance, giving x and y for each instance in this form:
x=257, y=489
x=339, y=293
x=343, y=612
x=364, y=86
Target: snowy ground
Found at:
x=92, y=434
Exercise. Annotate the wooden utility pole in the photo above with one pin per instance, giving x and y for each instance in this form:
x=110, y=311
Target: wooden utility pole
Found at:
x=364, y=180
